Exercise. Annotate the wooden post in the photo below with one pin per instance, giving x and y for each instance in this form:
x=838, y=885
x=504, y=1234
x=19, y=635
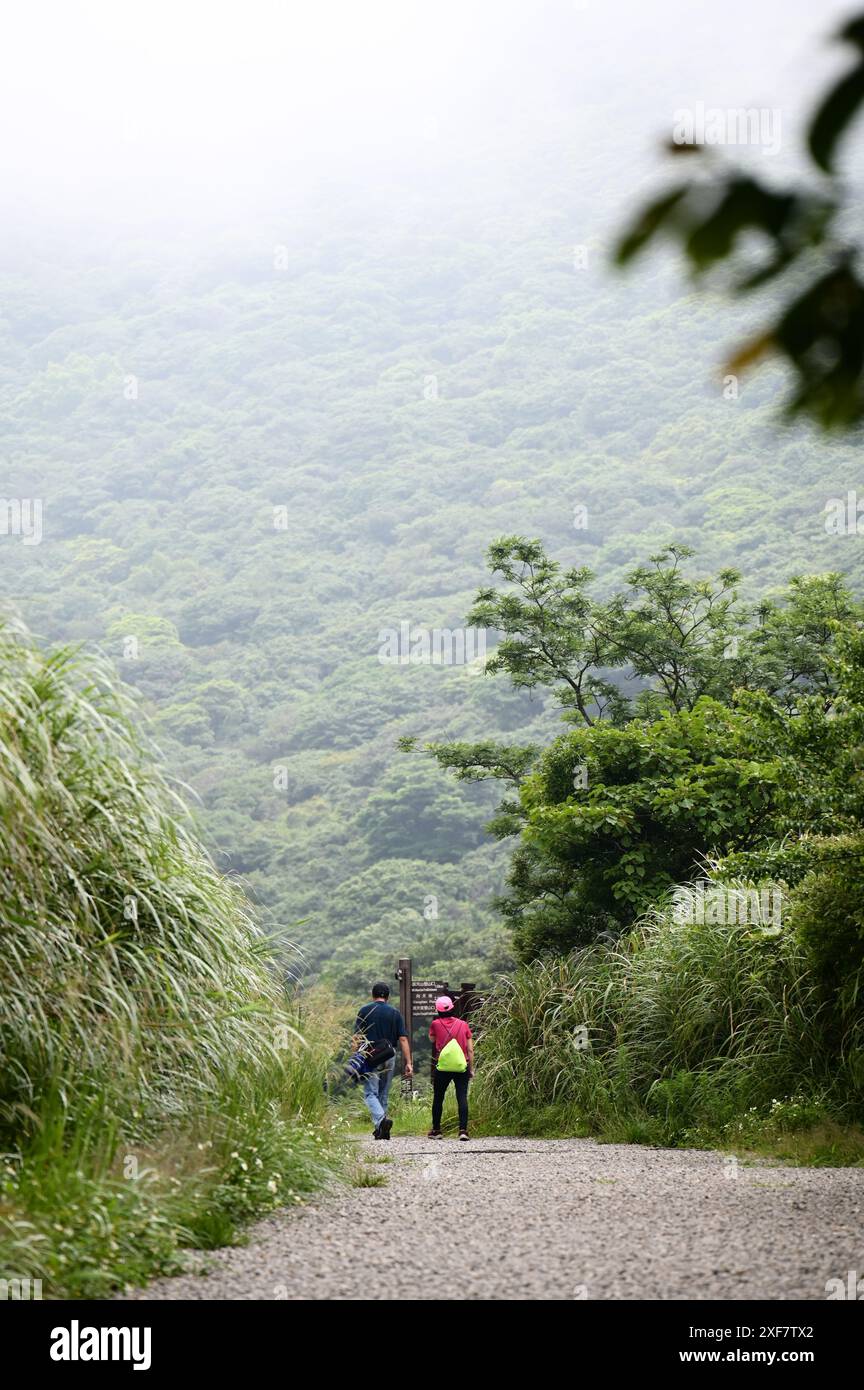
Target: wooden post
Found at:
x=403, y=975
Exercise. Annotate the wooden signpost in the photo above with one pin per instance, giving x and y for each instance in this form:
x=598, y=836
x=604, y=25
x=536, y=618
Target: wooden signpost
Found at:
x=417, y=1001
x=403, y=975
x=423, y=996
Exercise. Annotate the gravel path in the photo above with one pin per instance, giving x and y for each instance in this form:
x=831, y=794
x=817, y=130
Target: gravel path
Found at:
x=550, y=1219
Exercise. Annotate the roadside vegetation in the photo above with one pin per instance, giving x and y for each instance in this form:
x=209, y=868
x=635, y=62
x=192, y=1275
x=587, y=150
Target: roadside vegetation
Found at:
x=686, y=883
x=681, y=1034
x=159, y=1082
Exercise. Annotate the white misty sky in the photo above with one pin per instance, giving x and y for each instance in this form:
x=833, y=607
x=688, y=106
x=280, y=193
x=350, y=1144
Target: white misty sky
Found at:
x=109, y=110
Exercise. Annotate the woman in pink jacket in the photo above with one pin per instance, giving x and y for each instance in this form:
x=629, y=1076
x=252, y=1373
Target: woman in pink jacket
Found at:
x=445, y=1028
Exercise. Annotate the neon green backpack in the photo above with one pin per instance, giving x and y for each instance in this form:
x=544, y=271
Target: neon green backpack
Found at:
x=452, y=1058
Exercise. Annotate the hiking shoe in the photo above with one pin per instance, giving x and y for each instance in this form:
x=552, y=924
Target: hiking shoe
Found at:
x=384, y=1128
x=434, y=1134
x=376, y=1132
x=463, y=1135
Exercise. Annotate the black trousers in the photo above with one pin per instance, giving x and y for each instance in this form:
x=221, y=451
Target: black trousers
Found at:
x=440, y=1081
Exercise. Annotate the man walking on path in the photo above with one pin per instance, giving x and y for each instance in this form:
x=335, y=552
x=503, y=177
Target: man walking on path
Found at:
x=378, y=1022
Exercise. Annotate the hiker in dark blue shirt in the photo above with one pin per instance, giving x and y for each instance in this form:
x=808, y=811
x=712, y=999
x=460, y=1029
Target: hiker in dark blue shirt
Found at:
x=376, y=1022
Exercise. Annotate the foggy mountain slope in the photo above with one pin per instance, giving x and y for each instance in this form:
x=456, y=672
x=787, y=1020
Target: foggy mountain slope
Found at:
x=258, y=450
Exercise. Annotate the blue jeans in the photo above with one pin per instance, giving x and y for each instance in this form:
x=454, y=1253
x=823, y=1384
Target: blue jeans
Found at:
x=376, y=1089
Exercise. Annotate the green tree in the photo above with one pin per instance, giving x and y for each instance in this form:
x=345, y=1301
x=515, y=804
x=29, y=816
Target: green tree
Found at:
x=725, y=742
x=415, y=806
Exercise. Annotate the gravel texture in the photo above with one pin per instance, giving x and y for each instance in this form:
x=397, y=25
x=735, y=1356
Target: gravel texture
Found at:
x=549, y=1219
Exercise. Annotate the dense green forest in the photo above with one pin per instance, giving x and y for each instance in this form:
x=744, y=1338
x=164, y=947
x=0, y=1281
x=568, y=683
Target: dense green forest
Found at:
x=256, y=453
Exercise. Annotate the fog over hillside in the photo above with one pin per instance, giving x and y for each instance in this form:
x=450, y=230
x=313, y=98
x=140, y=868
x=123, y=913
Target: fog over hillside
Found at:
x=299, y=314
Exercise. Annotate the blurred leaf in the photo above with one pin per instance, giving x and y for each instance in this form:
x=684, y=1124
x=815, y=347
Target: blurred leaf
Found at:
x=751, y=351
x=684, y=147
x=833, y=116
x=647, y=224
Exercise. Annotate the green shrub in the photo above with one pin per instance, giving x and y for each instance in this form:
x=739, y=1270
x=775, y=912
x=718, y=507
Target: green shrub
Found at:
x=828, y=916
x=669, y=1034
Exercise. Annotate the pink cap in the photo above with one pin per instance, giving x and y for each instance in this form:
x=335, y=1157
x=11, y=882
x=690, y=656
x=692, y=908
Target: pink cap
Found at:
x=443, y=1004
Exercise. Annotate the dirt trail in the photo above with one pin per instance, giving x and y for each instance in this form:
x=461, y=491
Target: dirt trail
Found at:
x=550, y=1219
